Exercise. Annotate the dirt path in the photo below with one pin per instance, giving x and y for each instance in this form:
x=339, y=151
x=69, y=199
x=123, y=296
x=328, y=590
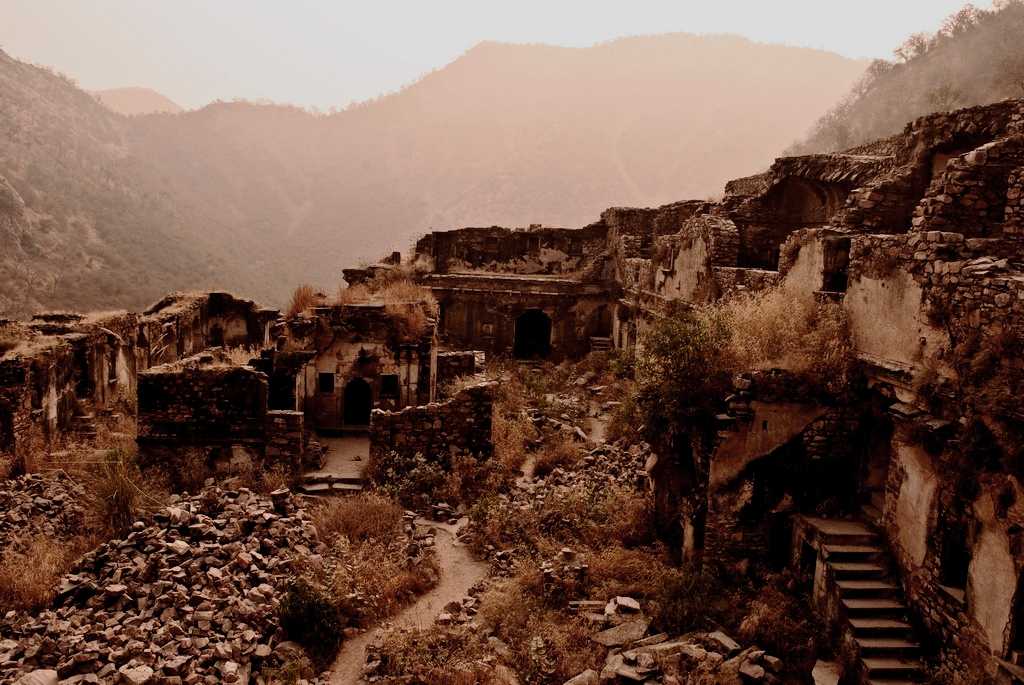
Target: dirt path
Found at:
x=459, y=572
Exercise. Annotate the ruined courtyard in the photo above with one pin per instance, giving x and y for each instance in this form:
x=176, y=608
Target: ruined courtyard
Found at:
x=758, y=440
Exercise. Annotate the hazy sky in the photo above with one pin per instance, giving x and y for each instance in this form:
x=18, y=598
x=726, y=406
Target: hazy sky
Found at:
x=325, y=53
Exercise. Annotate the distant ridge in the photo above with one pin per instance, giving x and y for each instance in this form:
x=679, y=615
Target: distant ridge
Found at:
x=133, y=101
x=257, y=198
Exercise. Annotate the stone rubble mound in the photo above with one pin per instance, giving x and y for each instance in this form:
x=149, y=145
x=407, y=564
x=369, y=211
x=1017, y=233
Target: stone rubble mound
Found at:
x=190, y=595
x=37, y=504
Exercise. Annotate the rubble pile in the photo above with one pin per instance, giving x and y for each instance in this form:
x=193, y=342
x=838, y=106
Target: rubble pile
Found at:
x=37, y=504
x=188, y=596
x=636, y=657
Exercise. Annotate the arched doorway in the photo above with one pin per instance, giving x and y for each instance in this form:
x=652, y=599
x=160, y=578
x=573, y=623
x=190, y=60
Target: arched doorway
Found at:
x=533, y=335
x=358, y=401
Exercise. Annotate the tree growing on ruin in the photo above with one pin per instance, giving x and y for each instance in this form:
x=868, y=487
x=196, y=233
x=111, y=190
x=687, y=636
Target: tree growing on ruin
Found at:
x=683, y=370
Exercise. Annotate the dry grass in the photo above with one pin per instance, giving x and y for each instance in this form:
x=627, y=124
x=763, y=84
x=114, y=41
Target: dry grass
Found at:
x=558, y=452
x=369, y=559
x=241, y=356
x=551, y=645
x=361, y=518
x=781, y=328
x=30, y=570
x=117, y=492
x=411, y=306
x=303, y=297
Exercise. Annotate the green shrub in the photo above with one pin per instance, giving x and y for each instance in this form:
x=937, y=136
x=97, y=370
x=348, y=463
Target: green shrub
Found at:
x=310, y=617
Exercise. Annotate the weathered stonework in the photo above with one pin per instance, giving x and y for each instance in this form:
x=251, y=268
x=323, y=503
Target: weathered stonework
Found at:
x=437, y=430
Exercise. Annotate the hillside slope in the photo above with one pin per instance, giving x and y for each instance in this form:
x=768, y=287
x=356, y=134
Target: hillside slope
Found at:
x=133, y=101
x=259, y=197
x=976, y=58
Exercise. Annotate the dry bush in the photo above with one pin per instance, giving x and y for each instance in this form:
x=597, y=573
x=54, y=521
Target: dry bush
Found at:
x=635, y=573
x=549, y=645
x=303, y=297
x=780, y=624
x=783, y=328
x=117, y=492
x=241, y=356
x=379, y=572
x=559, y=452
x=470, y=478
x=30, y=570
x=435, y=655
x=364, y=517
x=511, y=429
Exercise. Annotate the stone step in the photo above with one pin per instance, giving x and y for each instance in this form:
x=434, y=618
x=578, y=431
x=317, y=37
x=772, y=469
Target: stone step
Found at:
x=888, y=647
x=880, y=626
x=868, y=588
x=313, y=478
x=858, y=569
x=327, y=489
x=874, y=608
x=861, y=553
x=886, y=667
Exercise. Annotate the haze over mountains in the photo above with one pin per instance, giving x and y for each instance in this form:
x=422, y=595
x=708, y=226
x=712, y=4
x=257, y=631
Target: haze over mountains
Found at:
x=256, y=198
x=132, y=101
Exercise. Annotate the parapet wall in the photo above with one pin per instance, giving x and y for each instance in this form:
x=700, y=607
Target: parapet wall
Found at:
x=462, y=424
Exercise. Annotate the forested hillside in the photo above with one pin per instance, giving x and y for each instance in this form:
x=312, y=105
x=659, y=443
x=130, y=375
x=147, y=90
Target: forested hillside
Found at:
x=976, y=58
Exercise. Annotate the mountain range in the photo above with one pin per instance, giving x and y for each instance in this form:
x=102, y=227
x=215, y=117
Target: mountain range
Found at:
x=110, y=207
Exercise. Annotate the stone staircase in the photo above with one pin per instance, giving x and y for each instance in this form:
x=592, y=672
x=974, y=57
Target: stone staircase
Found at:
x=873, y=603
x=84, y=426
x=598, y=344
x=321, y=484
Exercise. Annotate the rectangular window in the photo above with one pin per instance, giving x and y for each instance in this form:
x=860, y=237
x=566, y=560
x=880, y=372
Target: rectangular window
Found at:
x=389, y=387
x=326, y=383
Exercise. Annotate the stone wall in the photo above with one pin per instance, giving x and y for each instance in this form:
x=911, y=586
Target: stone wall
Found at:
x=205, y=405
x=537, y=250
x=452, y=365
x=462, y=424
x=971, y=194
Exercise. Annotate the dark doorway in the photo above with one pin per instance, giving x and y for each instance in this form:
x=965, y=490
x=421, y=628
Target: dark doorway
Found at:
x=216, y=336
x=358, y=402
x=533, y=335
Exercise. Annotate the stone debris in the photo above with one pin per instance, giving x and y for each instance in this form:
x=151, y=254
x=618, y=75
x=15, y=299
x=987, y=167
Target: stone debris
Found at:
x=37, y=504
x=188, y=596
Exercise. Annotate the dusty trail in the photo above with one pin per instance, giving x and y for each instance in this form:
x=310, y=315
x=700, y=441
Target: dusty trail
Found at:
x=459, y=572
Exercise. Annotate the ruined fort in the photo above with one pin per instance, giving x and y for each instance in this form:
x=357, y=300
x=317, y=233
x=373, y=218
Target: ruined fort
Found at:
x=896, y=502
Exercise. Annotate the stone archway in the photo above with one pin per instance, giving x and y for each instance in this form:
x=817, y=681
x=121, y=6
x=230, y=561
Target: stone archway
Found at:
x=358, y=401
x=533, y=335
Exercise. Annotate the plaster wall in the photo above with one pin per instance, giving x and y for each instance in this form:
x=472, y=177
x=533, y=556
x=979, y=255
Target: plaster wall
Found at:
x=888, y=321
x=915, y=501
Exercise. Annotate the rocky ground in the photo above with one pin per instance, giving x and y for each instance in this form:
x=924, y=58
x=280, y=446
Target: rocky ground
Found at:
x=188, y=596
x=39, y=505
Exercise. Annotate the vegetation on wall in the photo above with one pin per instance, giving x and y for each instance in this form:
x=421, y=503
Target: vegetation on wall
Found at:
x=688, y=357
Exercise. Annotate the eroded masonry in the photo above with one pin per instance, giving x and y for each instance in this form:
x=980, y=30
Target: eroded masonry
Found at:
x=899, y=502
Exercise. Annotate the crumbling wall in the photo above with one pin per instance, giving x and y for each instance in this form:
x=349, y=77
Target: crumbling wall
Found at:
x=682, y=264
x=461, y=424
x=534, y=251
x=971, y=194
x=206, y=406
x=452, y=365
